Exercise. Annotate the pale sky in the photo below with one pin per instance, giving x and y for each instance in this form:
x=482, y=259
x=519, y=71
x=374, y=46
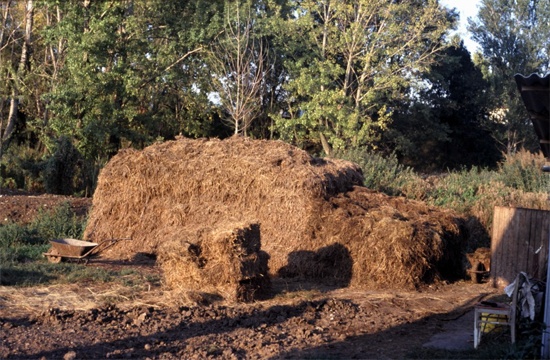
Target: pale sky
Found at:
x=467, y=8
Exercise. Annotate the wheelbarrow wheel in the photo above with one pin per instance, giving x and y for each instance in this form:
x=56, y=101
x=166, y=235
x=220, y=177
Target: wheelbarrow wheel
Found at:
x=53, y=258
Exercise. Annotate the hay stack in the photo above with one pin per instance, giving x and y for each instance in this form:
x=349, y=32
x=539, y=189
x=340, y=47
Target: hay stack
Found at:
x=315, y=221
x=188, y=183
x=392, y=242
x=226, y=260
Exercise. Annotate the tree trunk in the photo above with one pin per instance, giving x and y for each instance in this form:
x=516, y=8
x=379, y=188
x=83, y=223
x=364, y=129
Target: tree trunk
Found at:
x=23, y=67
x=326, y=146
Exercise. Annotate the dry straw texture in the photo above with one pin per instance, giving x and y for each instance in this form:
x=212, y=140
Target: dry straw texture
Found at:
x=315, y=220
x=226, y=261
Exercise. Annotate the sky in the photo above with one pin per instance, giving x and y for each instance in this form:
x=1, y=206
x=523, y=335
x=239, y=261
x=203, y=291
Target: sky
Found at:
x=467, y=8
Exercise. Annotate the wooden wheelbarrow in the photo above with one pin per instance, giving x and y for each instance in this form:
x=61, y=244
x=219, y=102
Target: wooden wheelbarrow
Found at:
x=76, y=249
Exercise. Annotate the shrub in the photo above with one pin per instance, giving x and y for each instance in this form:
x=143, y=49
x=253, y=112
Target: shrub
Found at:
x=61, y=222
x=384, y=174
x=64, y=171
x=60, y=169
x=20, y=169
x=473, y=193
x=522, y=170
x=459, y=190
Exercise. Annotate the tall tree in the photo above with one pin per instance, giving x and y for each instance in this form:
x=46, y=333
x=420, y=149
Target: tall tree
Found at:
x=238, y=60
x=513, y=35
x=132, y=72
x=19, y=69
x=347, y=59
x=443, y=124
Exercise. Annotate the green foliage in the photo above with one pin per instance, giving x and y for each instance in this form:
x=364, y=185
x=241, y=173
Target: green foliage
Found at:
x=20, y=168
x=39, y=272
x=381, y=173
x=64, y=172
x=20, y=243
x=522, y=171
x=472, y=192
x=513, y=36
x=132, y=73
x=348, y=64
x=12, y=235
x=61, y=222
x=106, y=75
x=445, y=129
x=22, y=246
x=460, y=190
x=60, y=169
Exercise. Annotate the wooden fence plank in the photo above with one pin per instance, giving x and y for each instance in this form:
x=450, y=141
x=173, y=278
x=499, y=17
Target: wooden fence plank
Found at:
x=519, y=242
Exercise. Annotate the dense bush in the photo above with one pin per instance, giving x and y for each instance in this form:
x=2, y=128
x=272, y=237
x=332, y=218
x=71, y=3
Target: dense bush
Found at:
x=62, y=171
x=522, y=171
x=20, y=169
x=384, y=174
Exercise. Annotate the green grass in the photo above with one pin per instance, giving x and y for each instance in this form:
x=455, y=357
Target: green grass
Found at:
x=44, y=273
x=383, y=174
x=22, y=246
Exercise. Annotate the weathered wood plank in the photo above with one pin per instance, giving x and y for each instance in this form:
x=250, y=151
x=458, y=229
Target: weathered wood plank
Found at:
x=519, y=242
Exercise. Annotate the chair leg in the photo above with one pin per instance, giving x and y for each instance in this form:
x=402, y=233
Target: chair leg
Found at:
x=477, y=332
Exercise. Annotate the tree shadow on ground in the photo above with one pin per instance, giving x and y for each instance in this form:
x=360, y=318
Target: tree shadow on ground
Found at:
x=14, y=276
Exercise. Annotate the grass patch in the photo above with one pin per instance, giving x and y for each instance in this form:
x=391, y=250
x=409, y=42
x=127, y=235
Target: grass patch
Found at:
x=22, y=262
x=22, y=246
x=384, y=174
x=44, y=273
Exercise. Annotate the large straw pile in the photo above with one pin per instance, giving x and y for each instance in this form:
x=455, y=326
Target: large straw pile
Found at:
x=314, y=220
x=384, y=241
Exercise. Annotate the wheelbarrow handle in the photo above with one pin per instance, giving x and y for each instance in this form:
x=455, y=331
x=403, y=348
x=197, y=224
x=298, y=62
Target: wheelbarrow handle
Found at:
x=104, y=245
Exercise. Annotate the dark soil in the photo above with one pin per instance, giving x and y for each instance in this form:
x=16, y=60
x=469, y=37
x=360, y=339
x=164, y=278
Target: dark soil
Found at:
x=22, y=208
x=341, y=324
x=299, y=320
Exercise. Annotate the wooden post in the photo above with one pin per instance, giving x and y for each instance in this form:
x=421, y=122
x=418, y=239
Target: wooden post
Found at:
x=545, y=352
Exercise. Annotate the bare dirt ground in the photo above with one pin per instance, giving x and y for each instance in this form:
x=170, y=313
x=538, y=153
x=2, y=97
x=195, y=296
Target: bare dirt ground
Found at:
x=299, y=320
x=20, y=207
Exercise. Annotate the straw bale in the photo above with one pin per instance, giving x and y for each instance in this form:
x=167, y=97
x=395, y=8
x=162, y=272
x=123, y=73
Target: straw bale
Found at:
x=226, y=261
x=316, y=221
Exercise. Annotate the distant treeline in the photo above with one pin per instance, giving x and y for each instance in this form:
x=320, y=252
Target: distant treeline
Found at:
x=83, y=79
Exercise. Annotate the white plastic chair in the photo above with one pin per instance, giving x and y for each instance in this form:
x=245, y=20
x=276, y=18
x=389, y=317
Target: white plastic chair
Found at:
x=497, y=314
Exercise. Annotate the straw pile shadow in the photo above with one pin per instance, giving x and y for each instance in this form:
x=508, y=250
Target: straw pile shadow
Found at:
x=316, y=221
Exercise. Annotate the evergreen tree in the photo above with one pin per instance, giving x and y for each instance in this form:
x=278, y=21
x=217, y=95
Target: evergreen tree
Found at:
x=443, y=126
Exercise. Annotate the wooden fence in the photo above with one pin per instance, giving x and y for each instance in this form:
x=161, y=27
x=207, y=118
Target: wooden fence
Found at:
x=519, y=242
